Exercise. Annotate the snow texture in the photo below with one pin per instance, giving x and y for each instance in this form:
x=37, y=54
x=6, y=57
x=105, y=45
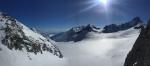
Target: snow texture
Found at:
x=100, y=49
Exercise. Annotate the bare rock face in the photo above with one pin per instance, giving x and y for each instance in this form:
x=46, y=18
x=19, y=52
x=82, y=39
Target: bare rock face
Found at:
x=140, y=53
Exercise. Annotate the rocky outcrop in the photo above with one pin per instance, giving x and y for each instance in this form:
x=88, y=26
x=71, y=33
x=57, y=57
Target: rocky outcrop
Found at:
x=140, y=53
x=16, y=37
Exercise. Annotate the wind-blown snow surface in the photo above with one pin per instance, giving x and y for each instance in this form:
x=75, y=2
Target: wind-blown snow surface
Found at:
x=99, y=49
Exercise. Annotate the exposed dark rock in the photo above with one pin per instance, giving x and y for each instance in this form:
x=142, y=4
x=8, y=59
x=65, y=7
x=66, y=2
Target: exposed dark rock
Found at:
x=111, y=28
x=140, y=53
x=15, y=38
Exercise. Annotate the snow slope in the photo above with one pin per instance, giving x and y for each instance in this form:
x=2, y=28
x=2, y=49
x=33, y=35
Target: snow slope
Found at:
x=23, y=58
x=20, y=46
x=105, y=49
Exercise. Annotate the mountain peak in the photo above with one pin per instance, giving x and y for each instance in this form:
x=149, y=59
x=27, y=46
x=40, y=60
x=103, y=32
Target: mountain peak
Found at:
x=88, y=28
x=75, y=34
x=3, y=14
x=91, y=27
x=137, y=19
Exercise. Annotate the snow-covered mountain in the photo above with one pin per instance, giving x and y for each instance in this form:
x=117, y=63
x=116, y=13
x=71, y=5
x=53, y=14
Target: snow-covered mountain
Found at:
x=16, y=36
x=35, y=30
x=115, y=28
x=81, y=32
x=43, y=33
x=75, y=33
x=21, y=46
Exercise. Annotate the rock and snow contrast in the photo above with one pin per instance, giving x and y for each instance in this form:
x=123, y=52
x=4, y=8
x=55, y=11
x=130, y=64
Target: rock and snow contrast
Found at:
x=99, y=48
x=75, y=34
x=80, y=46
x=21, y=46
x=140, y=53
x=115, y=28
x=79, y=33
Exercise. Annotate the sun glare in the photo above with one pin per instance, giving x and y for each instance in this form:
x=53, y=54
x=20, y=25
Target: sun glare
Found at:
x=104, y=2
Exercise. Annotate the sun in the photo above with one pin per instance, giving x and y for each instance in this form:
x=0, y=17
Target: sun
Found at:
x=101, y=4
x=104, y=2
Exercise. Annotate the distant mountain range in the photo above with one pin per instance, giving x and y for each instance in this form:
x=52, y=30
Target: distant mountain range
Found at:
x=115, y=28
x=79, y=33
x=75, y=33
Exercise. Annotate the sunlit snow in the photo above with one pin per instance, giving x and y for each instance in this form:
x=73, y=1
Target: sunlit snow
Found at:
x=98, y=49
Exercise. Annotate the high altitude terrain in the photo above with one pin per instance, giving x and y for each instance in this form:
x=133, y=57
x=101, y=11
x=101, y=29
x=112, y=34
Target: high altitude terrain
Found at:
x=79, y=46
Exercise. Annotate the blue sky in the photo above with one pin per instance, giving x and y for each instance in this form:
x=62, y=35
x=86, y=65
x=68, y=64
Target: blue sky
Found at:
x=60, y=15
